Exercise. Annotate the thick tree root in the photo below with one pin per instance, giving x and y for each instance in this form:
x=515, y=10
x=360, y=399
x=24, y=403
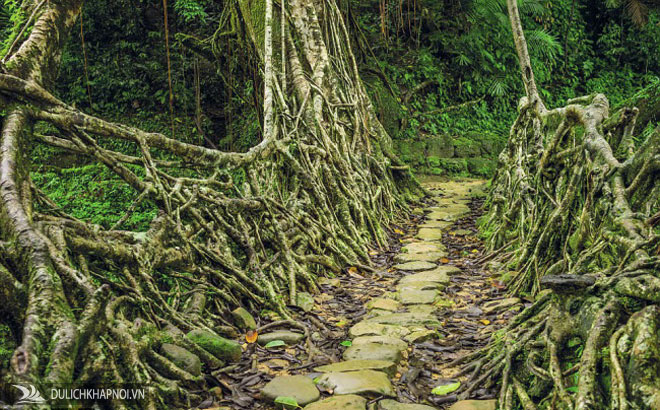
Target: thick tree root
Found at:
x=93, y=306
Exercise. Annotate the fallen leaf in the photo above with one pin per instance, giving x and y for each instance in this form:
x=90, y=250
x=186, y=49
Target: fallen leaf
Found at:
x=346, y=343
x=485, y=321
x=287, y=401
x=275, y=343
x=251, y=336
x=444, y=260
x=398, y=231
x=353, y=270
x=446, y=389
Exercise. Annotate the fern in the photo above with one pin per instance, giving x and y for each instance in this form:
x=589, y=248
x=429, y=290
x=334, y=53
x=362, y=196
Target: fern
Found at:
x=544, y=43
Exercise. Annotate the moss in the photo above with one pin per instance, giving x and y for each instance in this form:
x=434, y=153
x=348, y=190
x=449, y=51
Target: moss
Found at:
x=455, y=166
x=219, y=347
x=483, y=167
x=7, y=346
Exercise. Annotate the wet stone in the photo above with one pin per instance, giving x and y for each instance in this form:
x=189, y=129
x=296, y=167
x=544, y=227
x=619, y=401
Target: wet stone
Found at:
x=439, y=275
x=347, y=402
x=386, y=366
x=376, y=329
x=394, y=405
x=373, y=351
x=300, y=388
x=415, y=266
x=288, y=337
x=364, y=382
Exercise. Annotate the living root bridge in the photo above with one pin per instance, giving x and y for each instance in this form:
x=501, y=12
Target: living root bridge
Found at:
x=572, y=214
x=92, y=306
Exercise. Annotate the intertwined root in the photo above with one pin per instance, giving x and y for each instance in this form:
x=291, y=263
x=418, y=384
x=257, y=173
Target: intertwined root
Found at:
x=232, y=228
x=573, y=211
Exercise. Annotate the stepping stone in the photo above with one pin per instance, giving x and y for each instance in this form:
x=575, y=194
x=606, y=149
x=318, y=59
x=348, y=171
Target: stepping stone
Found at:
x=354, y=365
x=288, y=337
x=433, y=224
x=365, y=382
x=421, y=309
x=439, y=275
x=429, y=234
x=386, y=340
x=417, y=285
x=406, y=320
x=300, y=388
x=423, y=247
x=427, y=257
x=347, y=402
x=394, y=405
x=384, y=304
x=417, y=297
x=443, y=216
x=473, y=405
x=182, y=358
x=376, y=329
x=419, y=336
x=373, y=351
x=415, y=266
x=378, y=312
x=497, y=305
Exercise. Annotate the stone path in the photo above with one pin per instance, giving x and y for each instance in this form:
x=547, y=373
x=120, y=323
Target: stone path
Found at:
x=396, y=322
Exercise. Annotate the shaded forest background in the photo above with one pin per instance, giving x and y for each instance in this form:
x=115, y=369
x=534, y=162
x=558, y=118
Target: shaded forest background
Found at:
x=442, y=74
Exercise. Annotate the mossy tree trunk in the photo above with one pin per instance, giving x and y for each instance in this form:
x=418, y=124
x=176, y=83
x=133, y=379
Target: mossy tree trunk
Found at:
x=91, y=306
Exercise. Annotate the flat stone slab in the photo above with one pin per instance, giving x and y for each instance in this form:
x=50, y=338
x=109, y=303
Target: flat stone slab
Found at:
x=435, y=224
x=427, y=257
x=473, y=405
x=376, y=329
x=421, y=309
x=418, y=285
x=415, y=266
x=423, y=247
x=446, y=216
x=439, y=275
x=462, y=232
x=417, y=297
x=347, y=402
x=300, y=388
x=384, y=304
x=407, y=319
x=354, y=365
x=363, y=382
x=429, y=234
x=394, y=405
x=385, y=340
x=373, y=351
x=419, y=336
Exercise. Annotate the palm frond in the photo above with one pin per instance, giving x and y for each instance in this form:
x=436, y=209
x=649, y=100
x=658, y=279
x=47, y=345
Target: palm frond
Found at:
x=544, y=43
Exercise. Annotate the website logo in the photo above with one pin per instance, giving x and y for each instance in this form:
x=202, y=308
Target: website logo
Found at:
x=30, y=395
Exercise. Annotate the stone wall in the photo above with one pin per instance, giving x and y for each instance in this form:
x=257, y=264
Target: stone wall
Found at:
x=474, y=153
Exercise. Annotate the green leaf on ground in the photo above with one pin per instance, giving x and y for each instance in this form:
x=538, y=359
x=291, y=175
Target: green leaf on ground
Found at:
x=287, y=401
x=346, y=343
x=446, y=389
x=275, y=343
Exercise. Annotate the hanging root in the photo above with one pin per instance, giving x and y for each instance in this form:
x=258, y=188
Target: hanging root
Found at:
x=97, y=307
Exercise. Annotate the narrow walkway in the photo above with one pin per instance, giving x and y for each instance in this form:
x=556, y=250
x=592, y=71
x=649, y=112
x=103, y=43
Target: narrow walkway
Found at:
x=405, y=323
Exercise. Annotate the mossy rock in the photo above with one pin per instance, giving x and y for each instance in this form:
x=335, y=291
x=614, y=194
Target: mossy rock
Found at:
x=219, y=347
x=440, y=146
x=454, y=165
x=182, y=358
x=482, y=167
